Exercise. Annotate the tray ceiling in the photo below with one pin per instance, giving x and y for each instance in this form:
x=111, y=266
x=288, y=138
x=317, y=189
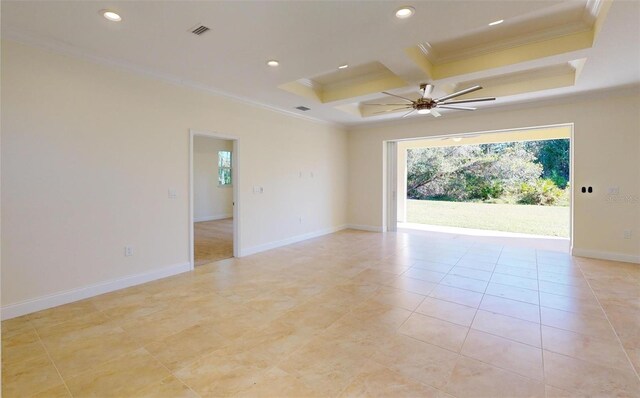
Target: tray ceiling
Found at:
x=542, y=49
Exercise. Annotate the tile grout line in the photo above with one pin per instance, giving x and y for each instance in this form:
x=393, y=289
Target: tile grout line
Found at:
x=171, y=373
x=348, y=383
x=424, y=297
x=64, y=380
x=480, y=280
x=277, y=363
x=633, y=368
x=142, y=346
x=498, y=367
x=474, y=317
x=414, y=312
x=51, y=359
x=478, y=307
x=544, y=373
x=411, y=377
x=493, y=365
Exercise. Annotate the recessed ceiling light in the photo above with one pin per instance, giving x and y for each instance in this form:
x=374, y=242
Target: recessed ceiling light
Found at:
x=345, y=66
x=111, y=16
x=498, y=22
x=405, y=12
x=457, y=139
x=424, y=111
x=273, y=62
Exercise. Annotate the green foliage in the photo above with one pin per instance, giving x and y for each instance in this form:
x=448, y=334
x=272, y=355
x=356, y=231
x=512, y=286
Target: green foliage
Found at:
x=554, y=157
x=498, y=173
x=479, y=188
x=559, y=180
x=469, y=172
x=543, y=192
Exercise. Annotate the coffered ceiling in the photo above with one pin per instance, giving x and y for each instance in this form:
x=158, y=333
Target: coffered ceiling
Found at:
x=542, y=49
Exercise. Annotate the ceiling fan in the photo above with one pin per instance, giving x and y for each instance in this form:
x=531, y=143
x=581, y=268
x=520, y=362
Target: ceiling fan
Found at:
x=427, y=105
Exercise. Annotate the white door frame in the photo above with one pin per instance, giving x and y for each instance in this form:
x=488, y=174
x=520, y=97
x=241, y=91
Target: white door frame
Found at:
x=572, y=191
x=235, y=178
x=391, y=186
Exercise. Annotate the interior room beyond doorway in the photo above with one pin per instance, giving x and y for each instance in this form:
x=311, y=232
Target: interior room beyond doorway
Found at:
x=212, y=199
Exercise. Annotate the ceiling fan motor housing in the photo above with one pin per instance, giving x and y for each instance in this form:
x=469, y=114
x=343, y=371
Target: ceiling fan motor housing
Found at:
x=424, y=103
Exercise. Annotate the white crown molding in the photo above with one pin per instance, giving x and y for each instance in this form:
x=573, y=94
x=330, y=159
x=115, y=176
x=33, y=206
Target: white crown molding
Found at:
x=509, y=43
x=60, y=298
x=73, y=51
x=592, y=9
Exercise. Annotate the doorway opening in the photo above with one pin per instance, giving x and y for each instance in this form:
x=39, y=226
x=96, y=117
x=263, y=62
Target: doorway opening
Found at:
x=507, y=184
x=213, y=202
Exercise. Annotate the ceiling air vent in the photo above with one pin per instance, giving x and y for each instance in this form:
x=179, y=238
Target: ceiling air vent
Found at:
x=303, y=108
x=199, y=29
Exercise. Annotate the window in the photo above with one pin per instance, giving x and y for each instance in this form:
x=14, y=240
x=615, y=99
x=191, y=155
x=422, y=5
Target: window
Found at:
x=224, y=168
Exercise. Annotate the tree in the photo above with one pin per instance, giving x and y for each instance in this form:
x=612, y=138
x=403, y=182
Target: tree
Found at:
x=466, y=172
x=554, y=157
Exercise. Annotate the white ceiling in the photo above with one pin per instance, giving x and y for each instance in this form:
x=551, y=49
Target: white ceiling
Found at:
x=309, y=38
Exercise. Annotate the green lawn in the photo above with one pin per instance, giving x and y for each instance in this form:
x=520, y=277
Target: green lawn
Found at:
x=527, y=219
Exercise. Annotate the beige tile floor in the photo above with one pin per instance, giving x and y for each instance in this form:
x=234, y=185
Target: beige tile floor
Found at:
x=349, y=314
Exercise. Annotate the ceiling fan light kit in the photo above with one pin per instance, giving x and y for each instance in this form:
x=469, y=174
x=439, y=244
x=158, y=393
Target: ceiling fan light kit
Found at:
x=426, y=105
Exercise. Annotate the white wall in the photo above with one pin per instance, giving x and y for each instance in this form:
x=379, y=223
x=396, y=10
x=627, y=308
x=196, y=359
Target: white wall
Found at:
x=210, y=201
x=606, y=149
x=89, y=153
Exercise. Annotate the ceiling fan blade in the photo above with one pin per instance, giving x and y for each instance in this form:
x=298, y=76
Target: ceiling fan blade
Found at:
x=468, y=100
x=409, y=113
x=426, y=93
x=393, y=95
x=388, y=104
x=390, y=110
x=459, y=108
x=458, y=93
x=435, y=113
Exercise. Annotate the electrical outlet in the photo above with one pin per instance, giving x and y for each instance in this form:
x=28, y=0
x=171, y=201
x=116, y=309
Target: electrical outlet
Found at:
x=172, y=194
x=128, y=251
x=300, y=220
x=628, y=233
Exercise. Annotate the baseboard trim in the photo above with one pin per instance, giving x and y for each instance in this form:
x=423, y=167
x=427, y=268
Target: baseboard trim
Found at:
x=294, y=239
x=370, y=228
x=69, y=296
x=627, y=258
x=214, y=217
